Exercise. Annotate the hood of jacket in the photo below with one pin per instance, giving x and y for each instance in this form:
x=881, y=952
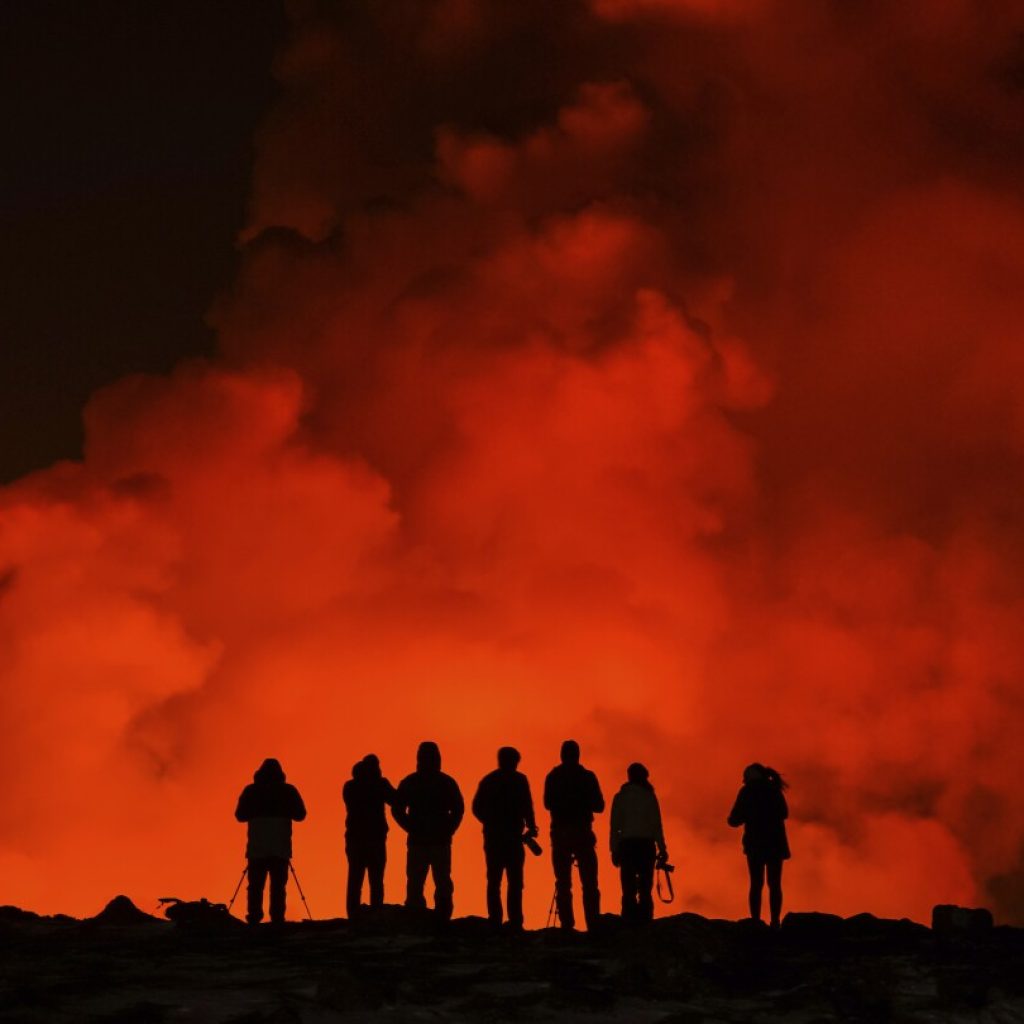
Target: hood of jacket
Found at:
x=268, y=772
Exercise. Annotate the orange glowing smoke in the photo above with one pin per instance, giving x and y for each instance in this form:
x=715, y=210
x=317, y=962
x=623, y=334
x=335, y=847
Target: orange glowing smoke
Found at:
x=642, y=371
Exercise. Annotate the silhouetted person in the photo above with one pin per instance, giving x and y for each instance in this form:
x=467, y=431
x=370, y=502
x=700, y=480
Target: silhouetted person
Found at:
x=504, y=805
x=573, y=796
x=637, y=843
x=366, y=831
x=269, y=805
x=761, y=809
x=429, y=806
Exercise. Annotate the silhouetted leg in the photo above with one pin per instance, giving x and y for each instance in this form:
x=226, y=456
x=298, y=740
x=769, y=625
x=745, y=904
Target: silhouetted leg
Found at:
x=278, y=869
x=631, y=857
x=756, y=868
x=257, y=882
x=773, y=869
x=514, y=882
x=627, y=879
x=375, y=864
x=561, y=863
x=444, y=888
x=493, y=855
x=646, y=855
x=417, y=865
x=586, y=858
x=356, y=872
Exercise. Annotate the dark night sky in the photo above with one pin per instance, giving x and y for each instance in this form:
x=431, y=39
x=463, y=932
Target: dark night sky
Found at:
x=127, y=151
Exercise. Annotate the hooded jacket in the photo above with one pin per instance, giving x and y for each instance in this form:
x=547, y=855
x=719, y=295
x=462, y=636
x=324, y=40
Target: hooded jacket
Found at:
x=762, y=811
x=636, y=815
x=269, y=805
x=573, y=795
x=504, y=806
x=365, y=796
x=428, y=804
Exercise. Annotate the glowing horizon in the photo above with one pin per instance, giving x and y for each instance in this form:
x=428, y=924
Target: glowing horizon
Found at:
x=643, y=371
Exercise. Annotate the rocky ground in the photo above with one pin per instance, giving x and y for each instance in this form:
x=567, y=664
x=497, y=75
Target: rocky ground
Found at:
x=124, y=967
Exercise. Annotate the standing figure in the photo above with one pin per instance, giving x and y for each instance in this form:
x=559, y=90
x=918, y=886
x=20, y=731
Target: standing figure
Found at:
x=573, y=796
x=429, y=806
x=638, y=843
x=761, y=809
x=366, y=832
x=269, y=805
x=504, y=805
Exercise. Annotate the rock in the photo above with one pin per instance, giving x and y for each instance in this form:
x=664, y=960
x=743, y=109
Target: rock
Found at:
x=813, y=927
x=121, y=911
x=884, y=933
x=950, y=921
x=15, y=915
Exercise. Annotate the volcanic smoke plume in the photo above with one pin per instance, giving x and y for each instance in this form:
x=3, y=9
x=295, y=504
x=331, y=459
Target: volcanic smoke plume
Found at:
x=644, y=371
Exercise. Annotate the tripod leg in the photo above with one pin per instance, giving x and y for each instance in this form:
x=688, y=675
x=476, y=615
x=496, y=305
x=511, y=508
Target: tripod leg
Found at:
x=302, y=895
x=234, y=895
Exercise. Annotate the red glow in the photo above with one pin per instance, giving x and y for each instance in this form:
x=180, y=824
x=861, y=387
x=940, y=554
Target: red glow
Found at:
x=647, y=375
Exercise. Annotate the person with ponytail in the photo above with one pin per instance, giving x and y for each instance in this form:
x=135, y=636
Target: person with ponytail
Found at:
x=762, y=811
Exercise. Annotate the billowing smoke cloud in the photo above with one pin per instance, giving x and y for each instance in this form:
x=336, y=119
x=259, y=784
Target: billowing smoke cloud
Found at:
x=641, y=370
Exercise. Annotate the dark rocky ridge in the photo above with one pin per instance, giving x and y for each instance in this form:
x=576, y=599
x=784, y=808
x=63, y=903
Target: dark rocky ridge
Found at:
x=126, y=967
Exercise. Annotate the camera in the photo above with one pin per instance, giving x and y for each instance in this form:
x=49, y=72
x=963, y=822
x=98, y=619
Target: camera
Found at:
x=662, y=864
x=532, y=845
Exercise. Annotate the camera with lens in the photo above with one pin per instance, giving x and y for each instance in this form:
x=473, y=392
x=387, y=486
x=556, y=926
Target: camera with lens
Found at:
x=531, y=844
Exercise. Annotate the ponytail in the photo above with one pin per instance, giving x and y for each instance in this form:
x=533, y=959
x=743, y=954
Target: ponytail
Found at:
x=775, y=778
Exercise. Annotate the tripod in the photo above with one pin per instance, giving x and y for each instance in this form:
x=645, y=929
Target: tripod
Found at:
x=298, y=885
x=553, y=917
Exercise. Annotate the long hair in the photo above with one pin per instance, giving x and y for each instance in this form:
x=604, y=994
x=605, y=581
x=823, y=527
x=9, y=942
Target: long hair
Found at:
x=758, y=772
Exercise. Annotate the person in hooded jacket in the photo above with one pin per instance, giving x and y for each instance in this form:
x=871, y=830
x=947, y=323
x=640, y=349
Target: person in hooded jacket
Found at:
x=366, y=832
x=762, y=811
x=428, y=805
x=573, y=796
x=269, y=805
x=637, y=842
x=504, y=806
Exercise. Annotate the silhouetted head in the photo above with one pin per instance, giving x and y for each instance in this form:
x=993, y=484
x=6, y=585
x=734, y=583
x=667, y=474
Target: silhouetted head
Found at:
x=358, y=770
x=269, y=771
x=508, y=759
x=637, y=773
x=371, y=766
x=759, y=774
x=428, y=757
x=570, y=752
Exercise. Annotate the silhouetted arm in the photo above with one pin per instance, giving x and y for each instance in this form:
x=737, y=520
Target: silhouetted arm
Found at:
x=659, y=839
x=528, y=815
x=479, y=803
x=400, y=807
x=547, y=792
x=596, y=797
x=615, y=829
x=298, y=809
x=738, y=814
x=457, y=809
x=389, y=792
x=783, y=807
x=243, y=812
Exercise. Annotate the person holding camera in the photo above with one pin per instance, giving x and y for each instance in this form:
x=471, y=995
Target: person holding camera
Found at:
x=637, y=842
x=504, y=806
